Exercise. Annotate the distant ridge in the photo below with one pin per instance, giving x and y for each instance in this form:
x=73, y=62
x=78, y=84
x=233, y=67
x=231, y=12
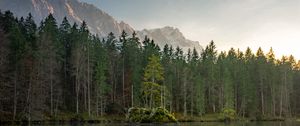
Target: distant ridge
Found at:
x=99, y=22
x=171, y=36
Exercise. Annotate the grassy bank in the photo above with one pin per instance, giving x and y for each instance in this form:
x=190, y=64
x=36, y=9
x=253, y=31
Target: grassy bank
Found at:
x=69, y=119
x=84, y=119
x=217, y=118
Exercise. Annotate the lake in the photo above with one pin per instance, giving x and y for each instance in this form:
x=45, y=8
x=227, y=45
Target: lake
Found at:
x=206, y=124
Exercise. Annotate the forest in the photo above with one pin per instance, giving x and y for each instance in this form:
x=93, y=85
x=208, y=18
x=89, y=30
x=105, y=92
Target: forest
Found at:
x=52, y=69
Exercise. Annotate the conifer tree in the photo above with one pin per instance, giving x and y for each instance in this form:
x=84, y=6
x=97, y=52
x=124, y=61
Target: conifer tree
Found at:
x=153, y=75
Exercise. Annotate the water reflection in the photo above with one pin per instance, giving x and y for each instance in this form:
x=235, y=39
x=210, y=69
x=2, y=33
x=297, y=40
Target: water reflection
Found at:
x=193, y=124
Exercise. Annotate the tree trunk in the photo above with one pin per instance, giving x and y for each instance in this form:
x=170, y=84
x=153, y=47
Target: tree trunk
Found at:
x=192, y=102
x=51, y=90
x=85, y=93
x=123, y=85
x=88, y=85
x=97, y=103
x=164, y=95
x=151, y=95
x=29, y=99
x=171, y=101
x=184, y=98
x=287, y=98
x=273, y=101
x=131, y=95
x=262, y=96
x=262, y=103
x=280, y=109
x=15, y=95
x=102, y=106
x=77, y=90
x=150, y=101
x=112, y=81
x=56, y=106
x=114, y=84
x=161, y=97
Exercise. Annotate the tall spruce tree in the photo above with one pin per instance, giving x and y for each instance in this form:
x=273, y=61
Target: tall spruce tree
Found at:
x=153, y=75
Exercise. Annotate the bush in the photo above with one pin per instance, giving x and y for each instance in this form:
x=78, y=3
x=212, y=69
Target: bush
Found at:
x=161, y=115
x=138, y=115
x=144, y=115
x=228, y=114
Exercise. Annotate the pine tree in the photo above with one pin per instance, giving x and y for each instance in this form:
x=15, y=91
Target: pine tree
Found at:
x=65, y=39
x=30, y=31
x=134, y=67
x=17, y=47
x=110, y=45
x=260, y=62
x=153, y=75
x=100, y=67
x=49, y=60
x=228, y=90
x=272, y=77
x=75, y=63
x=209, y=56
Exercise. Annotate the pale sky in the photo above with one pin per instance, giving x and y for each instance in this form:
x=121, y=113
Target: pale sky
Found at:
x=230, y=23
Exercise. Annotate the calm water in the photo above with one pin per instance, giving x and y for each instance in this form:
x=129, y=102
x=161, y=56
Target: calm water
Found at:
x=206, y=124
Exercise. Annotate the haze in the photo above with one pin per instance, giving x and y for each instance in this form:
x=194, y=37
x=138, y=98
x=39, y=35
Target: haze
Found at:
x=230, y=23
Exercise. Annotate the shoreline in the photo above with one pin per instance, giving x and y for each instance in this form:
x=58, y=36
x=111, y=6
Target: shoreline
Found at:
x=123, y=120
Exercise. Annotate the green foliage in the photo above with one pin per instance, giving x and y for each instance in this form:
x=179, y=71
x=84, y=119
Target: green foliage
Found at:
x=115, y=109
x=154, y=70
x=143, y=115
x=138, y=115
x=200, y=97
x=131, y=64
x=50, y=70
x=228, y=114
x=100, y=67
x=17, y=45
x=151, y=90
x=228, y=90
x=155, y=91
x=161, y=115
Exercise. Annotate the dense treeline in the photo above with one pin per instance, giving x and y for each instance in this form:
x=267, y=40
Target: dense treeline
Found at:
x=51, y=69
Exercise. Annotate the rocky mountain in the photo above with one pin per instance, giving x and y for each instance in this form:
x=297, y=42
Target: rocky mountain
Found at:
x=98, y=21
x=171, y=36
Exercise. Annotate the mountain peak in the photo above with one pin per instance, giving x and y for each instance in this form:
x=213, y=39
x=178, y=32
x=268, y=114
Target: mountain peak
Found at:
x=99, y=22
x=169, y=28
x=171, y=36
